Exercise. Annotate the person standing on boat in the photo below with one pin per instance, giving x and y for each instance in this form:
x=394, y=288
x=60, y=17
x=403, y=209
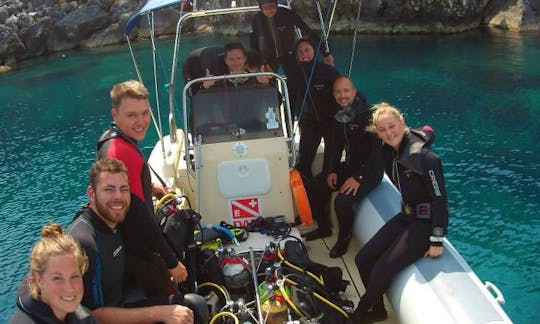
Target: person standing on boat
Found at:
x=274, y=35
x=356, y=176
x=236, y=61
x=54, y=290
x=418, y=230
x=97, y=228
x=314, y=106
x=143, y=237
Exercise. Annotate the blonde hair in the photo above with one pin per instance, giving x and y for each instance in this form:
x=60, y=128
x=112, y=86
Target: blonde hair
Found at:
x=53, y=242
x=131, y=89
x=384, y=108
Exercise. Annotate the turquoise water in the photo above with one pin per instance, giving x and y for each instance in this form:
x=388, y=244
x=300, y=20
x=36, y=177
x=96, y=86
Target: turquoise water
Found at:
x=479, y=90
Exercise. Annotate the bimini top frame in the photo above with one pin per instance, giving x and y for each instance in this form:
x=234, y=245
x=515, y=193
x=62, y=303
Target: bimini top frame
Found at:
x=154, y=5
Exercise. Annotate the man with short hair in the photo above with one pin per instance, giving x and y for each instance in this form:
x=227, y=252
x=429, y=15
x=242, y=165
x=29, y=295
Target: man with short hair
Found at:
x=96, y=227
x=142, y=235
x=273, y=35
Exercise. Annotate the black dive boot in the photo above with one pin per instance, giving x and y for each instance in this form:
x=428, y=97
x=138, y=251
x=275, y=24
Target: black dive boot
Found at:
x=378, y=313
x=341, y=246
x=361, y=315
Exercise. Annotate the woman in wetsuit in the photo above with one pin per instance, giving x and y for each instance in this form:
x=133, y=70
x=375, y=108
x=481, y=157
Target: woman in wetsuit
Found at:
x=54, y=289
x=418, y=230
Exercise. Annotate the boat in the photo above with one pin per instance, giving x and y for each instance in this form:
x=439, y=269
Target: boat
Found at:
x=231, y=157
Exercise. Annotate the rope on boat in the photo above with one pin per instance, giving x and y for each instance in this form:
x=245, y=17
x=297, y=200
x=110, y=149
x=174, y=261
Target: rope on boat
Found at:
x=324, y=31
x=332, y=18
x=356, y=27
x=158, y=125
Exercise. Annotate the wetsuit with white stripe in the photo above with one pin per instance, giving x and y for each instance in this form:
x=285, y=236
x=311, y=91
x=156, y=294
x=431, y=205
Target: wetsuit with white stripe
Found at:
x=417, y=173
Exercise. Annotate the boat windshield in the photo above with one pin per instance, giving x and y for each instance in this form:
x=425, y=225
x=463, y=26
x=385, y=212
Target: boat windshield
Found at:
x=236, y=113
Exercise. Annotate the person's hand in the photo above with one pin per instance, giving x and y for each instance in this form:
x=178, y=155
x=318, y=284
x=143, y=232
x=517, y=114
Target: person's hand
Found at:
x=266, y=68
x=434, y=252
x=263, y=79
x=158, y=190
x=331, y=180
x=208, y=83
x=329, y=59
x=176, y=314
x=350, y=186
x=179, y=273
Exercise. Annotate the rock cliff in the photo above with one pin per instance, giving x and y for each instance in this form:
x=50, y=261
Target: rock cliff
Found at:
x=30, y=28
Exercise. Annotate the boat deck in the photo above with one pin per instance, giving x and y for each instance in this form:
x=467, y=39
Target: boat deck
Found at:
x=318, y=251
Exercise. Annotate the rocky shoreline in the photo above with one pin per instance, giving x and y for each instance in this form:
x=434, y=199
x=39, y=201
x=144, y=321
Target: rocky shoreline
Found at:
x=30, y=28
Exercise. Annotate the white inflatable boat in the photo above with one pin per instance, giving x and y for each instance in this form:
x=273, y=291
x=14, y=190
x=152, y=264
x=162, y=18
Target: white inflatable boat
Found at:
x=443, y=290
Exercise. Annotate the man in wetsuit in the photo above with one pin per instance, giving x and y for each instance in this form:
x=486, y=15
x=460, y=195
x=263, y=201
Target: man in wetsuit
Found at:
x=274, y=36
x=96, y=228
x=354, y=178
x=142, y=235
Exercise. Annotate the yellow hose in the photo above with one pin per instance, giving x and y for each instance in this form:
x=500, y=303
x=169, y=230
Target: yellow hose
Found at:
x=280, y=256
x=157, y=206
x=289, y=301
x=221, y=314
x=321, y=298
x=218, y=287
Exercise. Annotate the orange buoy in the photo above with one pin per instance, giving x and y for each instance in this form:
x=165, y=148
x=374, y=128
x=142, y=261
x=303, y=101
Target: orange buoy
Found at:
x=300, y=197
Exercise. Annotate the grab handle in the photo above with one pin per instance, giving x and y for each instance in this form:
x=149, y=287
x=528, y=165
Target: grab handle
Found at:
x=495, y=292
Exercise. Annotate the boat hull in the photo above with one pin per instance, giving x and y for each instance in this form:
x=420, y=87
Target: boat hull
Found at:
x=442, y=290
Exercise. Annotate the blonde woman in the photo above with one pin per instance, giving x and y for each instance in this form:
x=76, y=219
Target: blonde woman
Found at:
x=418, y=230
x=54, y=290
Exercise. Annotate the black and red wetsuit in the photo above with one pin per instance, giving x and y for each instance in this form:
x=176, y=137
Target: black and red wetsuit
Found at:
x=141, y=231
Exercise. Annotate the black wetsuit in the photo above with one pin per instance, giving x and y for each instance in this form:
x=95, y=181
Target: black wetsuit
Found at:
x=104, y=280
x=317, y=109
x=417, y=173
x=275, y=38
x=363, y=162
x=33, y=311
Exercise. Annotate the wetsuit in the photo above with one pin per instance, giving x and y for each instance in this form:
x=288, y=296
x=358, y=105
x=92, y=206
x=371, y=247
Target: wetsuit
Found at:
x=363, y=162
x=104, y=280
x=417, y=173
x=275, y=38
x=106, y=283
x=317, y=110
x=142, y=236
x=35, y=311
x=140, y=228
x=236, y=82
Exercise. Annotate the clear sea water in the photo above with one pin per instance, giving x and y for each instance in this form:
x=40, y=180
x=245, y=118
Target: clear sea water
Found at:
x=479, y=90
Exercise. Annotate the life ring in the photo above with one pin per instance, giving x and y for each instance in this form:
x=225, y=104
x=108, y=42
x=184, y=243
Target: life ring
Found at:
x=300, y=197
